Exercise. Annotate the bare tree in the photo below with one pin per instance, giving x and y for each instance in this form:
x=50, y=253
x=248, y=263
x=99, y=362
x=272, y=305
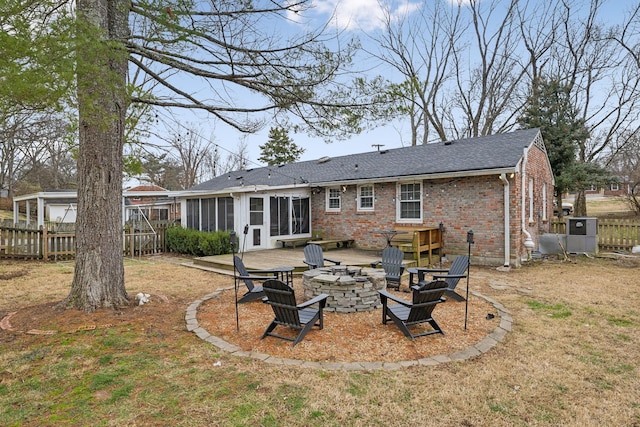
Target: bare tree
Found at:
x=421, y=48
x=466, y=70
x=191, y=151
x=486, y=97
x=602, y=78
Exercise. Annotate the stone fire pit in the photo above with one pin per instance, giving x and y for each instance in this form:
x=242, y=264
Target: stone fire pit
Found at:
x=350, y=289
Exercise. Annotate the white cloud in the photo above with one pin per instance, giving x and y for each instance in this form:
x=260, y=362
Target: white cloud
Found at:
x=365, y=15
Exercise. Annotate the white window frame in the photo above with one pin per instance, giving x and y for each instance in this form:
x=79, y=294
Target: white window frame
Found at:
x=371, y=196
x=530, y=199
x=330, y=196
x=544, y=202
x=399, y=202
x=614, y=186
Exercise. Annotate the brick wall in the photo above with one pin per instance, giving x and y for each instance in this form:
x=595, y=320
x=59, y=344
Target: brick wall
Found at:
x=461, y=204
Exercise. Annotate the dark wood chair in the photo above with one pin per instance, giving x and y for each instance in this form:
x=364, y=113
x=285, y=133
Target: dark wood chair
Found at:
x=314, y=257
x=405, y=314
x=254, y=291
x=282, y=299
x=392, y=265
x=452, y=276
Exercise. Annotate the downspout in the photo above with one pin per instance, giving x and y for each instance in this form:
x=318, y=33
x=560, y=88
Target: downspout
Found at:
x=507, y=229
x=528, y=241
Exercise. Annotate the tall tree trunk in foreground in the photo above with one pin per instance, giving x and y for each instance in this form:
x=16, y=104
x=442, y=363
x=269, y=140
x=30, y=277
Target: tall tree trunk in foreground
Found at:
x=102, y=65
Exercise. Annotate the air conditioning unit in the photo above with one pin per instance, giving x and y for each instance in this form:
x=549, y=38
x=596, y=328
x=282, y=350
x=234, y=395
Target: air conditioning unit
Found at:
x=582, y=235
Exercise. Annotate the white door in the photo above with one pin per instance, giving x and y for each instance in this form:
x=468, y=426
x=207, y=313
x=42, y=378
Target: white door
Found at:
x=257, y=230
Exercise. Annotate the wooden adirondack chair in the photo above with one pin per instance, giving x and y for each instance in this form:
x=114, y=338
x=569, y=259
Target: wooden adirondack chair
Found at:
x=282, y=299
x=452, y=276
x=314, y=257
x=405, y=314
x=391, y=262
x=253, y=291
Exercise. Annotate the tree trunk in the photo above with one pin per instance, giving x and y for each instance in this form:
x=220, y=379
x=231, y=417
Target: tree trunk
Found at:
x=559, y=203
x=580, y=204
x=99, y=272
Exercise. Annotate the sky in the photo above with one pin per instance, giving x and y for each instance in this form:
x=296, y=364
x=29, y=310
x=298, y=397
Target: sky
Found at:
x=355, y=18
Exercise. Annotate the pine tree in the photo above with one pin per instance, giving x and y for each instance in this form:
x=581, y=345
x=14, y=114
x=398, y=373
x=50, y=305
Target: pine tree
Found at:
x=279, y=149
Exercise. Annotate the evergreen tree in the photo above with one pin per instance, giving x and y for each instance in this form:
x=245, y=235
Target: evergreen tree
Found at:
x=550, y=109
x=279, y=149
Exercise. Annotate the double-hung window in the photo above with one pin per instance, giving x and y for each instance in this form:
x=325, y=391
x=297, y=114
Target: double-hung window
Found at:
x=365, y=198
x=333, y=199
x=409, y=202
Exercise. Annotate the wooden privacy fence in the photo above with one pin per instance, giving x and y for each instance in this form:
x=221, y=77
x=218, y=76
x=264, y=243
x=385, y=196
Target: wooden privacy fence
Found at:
x=28, y=243
x=613, y=234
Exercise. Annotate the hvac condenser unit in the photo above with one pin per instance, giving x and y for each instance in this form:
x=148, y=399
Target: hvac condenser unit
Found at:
x=582, y=235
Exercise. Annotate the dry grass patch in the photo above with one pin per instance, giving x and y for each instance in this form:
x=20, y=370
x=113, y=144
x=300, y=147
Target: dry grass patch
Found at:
x=571, y=359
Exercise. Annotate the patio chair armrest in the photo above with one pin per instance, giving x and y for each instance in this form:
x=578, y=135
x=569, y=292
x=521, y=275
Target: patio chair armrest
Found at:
x=332, y=260
x=395, y=298
x=319, y=299
x=402, y=268
x=375, y=264
x=449, y=276
x=274, y=272
x=433, y=270
x=311, y=265
x=255, y=277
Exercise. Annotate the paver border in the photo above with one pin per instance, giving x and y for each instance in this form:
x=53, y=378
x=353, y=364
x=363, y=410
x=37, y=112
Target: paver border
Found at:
x=481, y=347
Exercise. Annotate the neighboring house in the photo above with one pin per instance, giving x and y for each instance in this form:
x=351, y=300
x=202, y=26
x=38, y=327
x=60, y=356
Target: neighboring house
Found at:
x=151, y=202
x=614, y=189
x=59, y=206
x=499, y=186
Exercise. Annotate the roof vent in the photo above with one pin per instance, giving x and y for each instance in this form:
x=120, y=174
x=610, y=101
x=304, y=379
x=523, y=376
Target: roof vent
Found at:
x=324, y=159
x=383, y=151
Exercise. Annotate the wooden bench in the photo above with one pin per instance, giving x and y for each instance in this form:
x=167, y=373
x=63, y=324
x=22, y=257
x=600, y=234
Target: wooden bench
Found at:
x=325, y=244
x=417, y=241
x=293, y=242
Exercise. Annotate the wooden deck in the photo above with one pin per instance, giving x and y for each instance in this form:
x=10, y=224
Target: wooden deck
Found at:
x=293, y=257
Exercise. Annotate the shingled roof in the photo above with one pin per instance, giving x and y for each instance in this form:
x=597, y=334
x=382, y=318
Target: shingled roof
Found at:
x=472, y=156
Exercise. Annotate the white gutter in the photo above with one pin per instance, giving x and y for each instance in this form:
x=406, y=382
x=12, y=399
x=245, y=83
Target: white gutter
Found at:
x=507, y=229
x=401, y=178
x=528, y=241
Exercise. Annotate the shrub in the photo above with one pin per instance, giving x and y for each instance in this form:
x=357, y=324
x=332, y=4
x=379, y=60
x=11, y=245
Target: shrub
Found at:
x=197, y=243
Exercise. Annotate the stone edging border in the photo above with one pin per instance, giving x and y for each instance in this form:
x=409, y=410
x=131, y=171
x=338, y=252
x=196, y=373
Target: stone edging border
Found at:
x=483, y=346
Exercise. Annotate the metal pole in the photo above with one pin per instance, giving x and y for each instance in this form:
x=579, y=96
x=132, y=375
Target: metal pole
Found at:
x=232, y=237
x=441, y=228
x=466, y=301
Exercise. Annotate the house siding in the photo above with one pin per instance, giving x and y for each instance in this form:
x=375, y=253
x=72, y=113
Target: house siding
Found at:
x=461, y=204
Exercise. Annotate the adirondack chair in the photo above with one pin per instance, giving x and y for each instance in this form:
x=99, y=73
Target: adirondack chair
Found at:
x=452, y=276
x=391, y=262
x=254, y=292
x=314, y=257
x=405, y=314
x=282, y=299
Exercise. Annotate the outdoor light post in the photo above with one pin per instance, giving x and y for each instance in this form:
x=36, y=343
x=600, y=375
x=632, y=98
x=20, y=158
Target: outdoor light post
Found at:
x=441, y=228
x=466, y=301
x=232, y=237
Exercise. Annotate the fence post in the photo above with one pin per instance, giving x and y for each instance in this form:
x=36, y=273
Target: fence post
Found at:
x=44, y=244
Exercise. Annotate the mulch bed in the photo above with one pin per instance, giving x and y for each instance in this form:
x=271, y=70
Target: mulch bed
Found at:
x=352, y=337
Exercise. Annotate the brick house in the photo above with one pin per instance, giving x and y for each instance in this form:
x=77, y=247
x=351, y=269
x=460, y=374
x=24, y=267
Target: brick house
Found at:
x=499, y=186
